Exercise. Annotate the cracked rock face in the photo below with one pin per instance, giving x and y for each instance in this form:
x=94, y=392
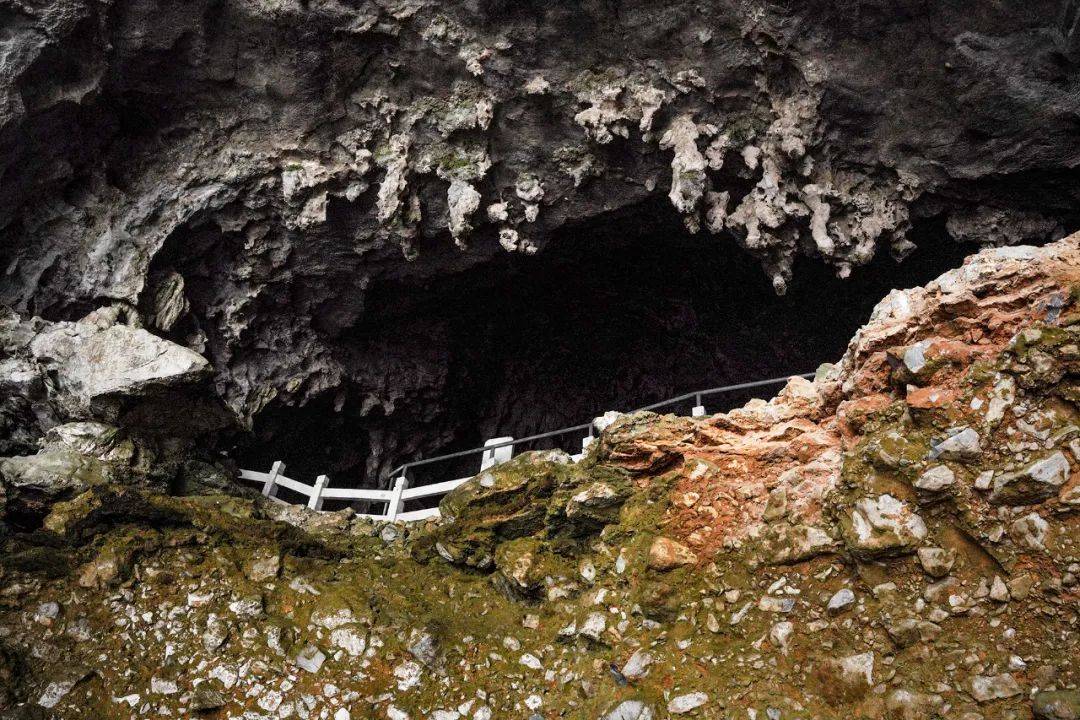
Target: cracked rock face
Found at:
x=242, y=174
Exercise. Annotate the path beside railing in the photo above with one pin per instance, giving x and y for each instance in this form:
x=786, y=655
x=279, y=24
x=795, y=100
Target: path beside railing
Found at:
x=493, y=452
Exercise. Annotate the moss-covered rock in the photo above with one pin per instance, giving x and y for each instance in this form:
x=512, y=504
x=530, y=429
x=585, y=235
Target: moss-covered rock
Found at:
x=505, y=502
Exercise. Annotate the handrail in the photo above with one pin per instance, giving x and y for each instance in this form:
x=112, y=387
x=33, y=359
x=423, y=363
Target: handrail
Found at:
x=588, y=426
x=399, y=493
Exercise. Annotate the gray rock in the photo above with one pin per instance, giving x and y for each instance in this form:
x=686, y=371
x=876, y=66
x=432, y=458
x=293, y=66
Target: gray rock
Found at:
x=116, y=361
x=963, y=445
x=424, y=647
x=101, y=441
x=937, y=562
x=1056, y=705
x=936, y=479
x=594, y=626
x=217, y=632
x=1035, y=483
x=1030, y=531
x=637, y=666
x=36, y=481
x=841, y=600
x=994, y=687
x=685, y=703
x=883, y=526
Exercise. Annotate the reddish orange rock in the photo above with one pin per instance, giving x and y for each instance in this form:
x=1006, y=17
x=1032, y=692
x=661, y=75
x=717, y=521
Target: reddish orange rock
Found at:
x=666, y=554
x=929, y=398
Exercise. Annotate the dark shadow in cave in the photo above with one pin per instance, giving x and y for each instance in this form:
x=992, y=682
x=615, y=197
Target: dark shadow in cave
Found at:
x=611, y=315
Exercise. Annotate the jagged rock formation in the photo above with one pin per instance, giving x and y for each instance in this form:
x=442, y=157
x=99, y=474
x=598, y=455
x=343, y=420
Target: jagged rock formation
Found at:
x=264, y=182
x=899, y=538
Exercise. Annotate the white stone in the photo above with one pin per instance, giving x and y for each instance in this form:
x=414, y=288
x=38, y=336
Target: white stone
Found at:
x=638, y=665
x=531, y=661
x=594, y=626
x=408, y=674
x=936, y=479
x=310, y=658
x=686, y=703
x=779, y=635
x=163, y=687
x=348, y=640
x=841, y=600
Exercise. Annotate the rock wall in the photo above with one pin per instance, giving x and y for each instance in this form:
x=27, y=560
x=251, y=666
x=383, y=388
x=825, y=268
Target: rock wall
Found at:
x=241, y=173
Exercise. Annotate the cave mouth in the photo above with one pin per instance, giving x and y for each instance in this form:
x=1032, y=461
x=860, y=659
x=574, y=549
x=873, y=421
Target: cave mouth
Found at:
x=613, y=314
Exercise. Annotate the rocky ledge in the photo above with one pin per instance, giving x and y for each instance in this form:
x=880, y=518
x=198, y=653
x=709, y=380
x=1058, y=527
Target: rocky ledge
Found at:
x=897, y=538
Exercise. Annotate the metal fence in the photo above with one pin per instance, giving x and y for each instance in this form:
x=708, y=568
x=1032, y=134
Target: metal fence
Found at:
x=491, y=453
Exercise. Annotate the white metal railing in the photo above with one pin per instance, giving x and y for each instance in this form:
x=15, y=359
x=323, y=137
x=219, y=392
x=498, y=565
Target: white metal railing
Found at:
x=494, y=451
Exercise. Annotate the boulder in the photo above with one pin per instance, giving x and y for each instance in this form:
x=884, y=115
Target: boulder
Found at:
x=1056, y=705
x=104, y=442
x=1037, y=482
x=37, y=481
x=117, y=361
x=963, y=444
x=667, y=554
x=507, y=501
x=882, y=526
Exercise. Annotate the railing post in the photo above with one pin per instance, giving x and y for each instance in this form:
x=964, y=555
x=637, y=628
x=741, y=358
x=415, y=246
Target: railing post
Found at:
x=496, y=455
x=396, y=504
x=315, y=501
x=270, y=486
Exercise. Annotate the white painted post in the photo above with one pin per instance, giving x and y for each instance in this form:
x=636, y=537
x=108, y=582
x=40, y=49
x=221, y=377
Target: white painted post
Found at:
x=496, y=455
x=270, y=486
x=396, y=504
x=315, y=501
x=698, y=411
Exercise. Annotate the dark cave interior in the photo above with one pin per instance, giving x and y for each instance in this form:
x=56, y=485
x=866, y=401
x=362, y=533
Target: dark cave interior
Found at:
x=613, y=315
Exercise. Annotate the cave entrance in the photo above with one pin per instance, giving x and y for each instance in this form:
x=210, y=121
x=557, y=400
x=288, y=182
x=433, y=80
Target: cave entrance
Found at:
x=612, y=315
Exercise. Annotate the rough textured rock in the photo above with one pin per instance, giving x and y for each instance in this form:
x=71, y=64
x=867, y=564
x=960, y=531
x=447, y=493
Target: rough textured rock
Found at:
x=283, y=187
x=538, y=594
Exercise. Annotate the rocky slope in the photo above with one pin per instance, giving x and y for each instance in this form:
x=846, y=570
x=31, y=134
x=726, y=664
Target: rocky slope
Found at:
x=898, y=538
x=278, y=185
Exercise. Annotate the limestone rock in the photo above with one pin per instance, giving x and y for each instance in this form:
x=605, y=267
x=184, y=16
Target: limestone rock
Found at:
x=963, y=444
x=1033, y=484
x=937, y=562
x=883, y=526
x=37, y=481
